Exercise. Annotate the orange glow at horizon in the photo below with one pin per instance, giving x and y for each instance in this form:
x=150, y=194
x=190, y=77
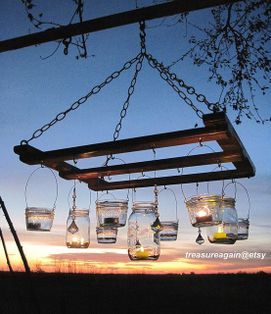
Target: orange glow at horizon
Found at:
x=115, y=260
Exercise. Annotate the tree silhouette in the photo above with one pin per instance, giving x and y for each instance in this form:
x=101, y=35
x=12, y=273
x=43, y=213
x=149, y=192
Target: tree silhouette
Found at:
x=234, y=45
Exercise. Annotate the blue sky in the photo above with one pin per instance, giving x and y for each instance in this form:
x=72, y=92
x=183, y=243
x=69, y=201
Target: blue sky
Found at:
x=33, y=91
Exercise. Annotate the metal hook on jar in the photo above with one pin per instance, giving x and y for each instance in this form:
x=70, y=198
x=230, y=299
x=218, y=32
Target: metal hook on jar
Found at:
x=199, y=146
x=235, y=194
x=28, y=180
x=112, y=157
x=175, y=199
x=219, y=166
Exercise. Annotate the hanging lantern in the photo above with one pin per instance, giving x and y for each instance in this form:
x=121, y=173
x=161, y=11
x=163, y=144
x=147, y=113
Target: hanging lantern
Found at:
x=106, y=234
x=169, y=230
x=243, y=227
x=227, y=231
x=204, y=210
x=39, y=218
x=143, y=240
x=77, y=233
x=243, y=223
x=111, y=213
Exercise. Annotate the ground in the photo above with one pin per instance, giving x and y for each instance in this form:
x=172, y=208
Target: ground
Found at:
x=94, y=294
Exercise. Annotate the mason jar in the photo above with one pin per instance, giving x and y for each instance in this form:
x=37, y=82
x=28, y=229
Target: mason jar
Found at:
x=106, y=235
x=227, y=231
x=39, y=219
x=243, y=227
x=204, y=210
x=143, y=238
x=77, y=232
x=169, y=230
x=111, y=213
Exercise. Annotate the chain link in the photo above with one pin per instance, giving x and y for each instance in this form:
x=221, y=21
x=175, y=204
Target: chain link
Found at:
x=171, y=77
x=127, y=101
x=126, y=104
x=95, y=90
x=131, y=88
x=214, y=107
x=142, y=35
x=165, y=75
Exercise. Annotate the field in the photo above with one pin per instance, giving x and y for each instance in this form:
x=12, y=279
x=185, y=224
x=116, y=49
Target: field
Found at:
x=43, y=293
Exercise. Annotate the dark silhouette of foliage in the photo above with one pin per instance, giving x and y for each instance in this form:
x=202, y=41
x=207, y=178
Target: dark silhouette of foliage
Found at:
x=37, y=21
x=234, y=44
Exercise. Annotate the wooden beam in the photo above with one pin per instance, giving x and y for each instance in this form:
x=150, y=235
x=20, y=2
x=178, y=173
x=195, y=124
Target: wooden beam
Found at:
x=120, y=19
x=217, y=128
x=231, y=142
x=59, y=166
x=162, y=164
x=180, y=179
x=190, y=136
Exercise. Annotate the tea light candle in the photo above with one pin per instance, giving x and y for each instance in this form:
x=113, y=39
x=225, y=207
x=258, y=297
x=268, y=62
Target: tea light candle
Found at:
x=141, y=253
x=203, y=215
x=220, y=235
x=206, y=218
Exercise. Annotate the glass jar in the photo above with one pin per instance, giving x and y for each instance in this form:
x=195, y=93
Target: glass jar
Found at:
x=77, y=232
x=227, y=231
x=39, y=219
x=143, y=238
x=107, y=234
x=243, y=227
x=111, y=213
x=204, y=210
x=169, y=230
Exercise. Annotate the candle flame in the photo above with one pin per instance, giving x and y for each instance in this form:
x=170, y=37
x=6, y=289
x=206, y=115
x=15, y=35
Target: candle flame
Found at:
x=202, y=212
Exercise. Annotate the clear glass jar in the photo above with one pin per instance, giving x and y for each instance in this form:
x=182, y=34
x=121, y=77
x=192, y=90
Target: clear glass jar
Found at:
x=169, y=230
x=204, y=210
x=143, y=238
x=106, y=234
x=227, y=231
x=77, y=232
x=111, y=213
x=39, y=219
x=243, y=227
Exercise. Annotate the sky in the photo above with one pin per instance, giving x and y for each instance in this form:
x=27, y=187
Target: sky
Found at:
x=35, y=88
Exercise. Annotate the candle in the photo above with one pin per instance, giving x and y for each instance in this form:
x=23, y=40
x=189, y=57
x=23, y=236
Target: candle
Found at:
x=142, y=253
x=206, y=218
x=220, y=235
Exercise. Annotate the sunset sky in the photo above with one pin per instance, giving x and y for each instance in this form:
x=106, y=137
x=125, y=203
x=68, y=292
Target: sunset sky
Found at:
x=35, y=88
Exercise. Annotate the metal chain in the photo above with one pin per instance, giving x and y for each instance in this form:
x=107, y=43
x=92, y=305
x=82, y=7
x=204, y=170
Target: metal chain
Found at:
x=214, y=107
x=127, y=101
x=142, y=35
x=166, y=77
x=95, y=90
x=131, y=88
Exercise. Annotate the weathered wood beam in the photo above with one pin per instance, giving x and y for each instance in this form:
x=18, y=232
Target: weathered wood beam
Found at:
x=217, y=128
x=231, y=142
x=122, y=146
x=180, y=179
x=59, y=166
x=106, y=22
x=161, y=164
